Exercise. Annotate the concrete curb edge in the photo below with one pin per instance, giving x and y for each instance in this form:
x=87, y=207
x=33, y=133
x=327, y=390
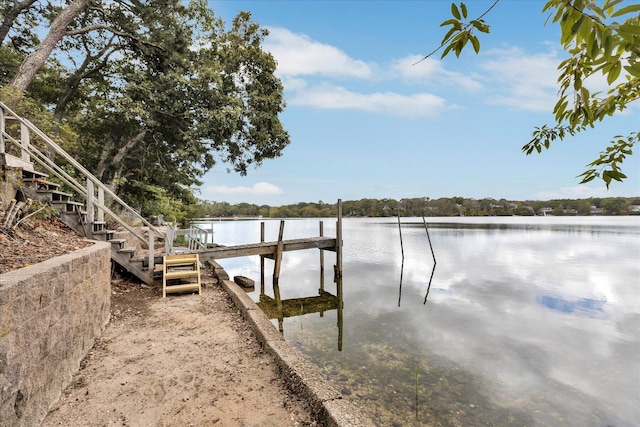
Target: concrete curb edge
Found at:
x=299, y=374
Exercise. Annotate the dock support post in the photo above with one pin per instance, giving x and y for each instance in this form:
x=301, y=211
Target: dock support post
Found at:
x=276, y=268
x=321, y=258
x=262, y=259
x=340, y=313
x=338, y=268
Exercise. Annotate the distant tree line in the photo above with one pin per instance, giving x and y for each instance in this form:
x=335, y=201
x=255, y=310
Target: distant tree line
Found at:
x=422, y=206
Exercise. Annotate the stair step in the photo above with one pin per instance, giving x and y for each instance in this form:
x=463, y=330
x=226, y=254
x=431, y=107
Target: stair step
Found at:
x=179, y=263
x=118, y=242
x=33, y=174
x=108, y=233
x=41, y=183
x=57, y=196
x=181, y=274
x=183, y=287
x=157, y=260
x=130, y=250
x=68, y=205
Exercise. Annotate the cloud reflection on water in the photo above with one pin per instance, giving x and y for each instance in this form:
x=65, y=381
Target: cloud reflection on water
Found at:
x=548, y=314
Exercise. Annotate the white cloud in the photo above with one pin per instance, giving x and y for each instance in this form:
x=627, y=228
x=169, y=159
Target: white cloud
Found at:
x=338, y=98
x=308, y=69
x=298, y=55
x=523, y=82
x=530, y=81
x=258, y=189
x=431, y=71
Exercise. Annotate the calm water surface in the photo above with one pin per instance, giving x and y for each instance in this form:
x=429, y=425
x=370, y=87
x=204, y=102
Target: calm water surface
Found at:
x=528, y=321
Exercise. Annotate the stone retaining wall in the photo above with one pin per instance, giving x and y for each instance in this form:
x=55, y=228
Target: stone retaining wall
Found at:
x=50, y=315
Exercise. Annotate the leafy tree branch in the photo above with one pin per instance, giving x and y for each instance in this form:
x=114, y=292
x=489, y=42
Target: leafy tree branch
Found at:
x=600, y=38
x=460, y=32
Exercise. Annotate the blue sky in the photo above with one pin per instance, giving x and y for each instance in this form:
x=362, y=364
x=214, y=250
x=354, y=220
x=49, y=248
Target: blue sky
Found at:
x=367, y=123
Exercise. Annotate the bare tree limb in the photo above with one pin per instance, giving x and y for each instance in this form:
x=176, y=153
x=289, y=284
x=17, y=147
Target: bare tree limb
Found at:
x=112, y=30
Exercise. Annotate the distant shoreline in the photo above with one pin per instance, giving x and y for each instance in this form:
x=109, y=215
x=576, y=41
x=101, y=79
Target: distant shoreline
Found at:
x=419, y=207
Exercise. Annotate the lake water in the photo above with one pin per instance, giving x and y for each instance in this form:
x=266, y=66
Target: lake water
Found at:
x=528, y=321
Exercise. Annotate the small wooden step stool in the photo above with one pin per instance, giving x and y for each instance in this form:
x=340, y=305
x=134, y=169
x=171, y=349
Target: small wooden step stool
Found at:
x=183, y=267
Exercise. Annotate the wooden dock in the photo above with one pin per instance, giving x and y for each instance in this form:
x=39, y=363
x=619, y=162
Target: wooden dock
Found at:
x=274, y=250
x=269, y=249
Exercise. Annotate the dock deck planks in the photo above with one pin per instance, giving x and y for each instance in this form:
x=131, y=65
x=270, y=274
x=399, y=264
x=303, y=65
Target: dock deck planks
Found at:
x=269, y=248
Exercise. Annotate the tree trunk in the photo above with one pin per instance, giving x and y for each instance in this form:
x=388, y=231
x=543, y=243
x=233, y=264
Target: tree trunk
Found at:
x=10, y=17
x=36, y=60
x=102, y=164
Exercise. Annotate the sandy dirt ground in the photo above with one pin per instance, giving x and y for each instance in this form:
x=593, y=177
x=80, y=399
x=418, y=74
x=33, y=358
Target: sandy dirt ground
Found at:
x=185, y=360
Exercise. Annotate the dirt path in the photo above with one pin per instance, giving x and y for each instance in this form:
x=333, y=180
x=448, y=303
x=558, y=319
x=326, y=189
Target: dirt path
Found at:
x=185, y=360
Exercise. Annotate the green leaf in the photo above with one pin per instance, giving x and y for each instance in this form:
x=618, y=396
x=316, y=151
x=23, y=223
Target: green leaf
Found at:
x=594, y=7
x=454, y=11
x=614, y=73
x=453, y=22
x=587, y=178
x=463, y=7
x=625, y=10
x=446, y=50
x=475, y=43
x=576, y=26
x=629, y=29
x=610, y=3
x=608, y=45
x=480, y=25
x=448, y=35
x=633, y=69
x=592, y=45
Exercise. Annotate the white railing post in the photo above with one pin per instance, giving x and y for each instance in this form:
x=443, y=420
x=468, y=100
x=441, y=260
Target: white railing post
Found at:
x=151, y=252
x=168, y=242
x=2, y=129
x=90, y=207
x=100, y=204
x=24, y=142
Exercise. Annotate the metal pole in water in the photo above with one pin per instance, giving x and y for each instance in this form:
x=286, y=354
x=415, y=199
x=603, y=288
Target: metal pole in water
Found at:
x=400, y=231
x=434, y=260
x=429, y=239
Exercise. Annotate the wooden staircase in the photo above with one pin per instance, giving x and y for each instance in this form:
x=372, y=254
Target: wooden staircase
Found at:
x=138, y=247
